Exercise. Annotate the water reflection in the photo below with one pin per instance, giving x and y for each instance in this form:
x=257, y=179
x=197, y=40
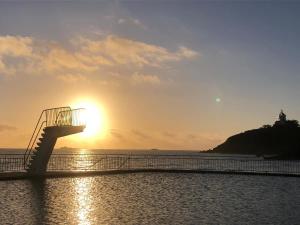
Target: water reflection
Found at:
x=83, y=200
x=152, y=199
x=38, y=198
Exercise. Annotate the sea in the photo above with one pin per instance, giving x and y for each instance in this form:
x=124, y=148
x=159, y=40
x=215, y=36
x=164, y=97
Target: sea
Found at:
x=150, y=198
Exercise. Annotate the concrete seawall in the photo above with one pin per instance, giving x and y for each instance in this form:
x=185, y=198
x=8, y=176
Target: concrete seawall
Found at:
x=61, y=174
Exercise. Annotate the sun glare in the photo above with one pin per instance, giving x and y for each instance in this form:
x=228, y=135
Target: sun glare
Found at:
x=94, y=118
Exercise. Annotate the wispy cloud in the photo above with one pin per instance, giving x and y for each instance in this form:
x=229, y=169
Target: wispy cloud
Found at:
x=85, y=56
x=140, y=134
x=166, y=139
x=15, y=46
x=187, y=53
x=121, y=51
x=121, y=21
x=137, y=79
x=4, y=127
x=131, y=21
x=71, y=78
x=169, y=134
x=116, y=134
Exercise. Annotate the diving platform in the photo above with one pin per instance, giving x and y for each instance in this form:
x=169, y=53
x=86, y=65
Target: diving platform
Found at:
x=52, y=124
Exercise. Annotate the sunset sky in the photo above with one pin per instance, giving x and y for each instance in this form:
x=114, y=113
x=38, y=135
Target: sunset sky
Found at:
x=163, y=74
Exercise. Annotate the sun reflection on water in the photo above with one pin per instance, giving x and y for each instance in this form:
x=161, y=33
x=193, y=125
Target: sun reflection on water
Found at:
x=83, y=200
x=83, y=161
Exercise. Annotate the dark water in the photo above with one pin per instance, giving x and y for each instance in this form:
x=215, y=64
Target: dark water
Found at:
x=152, y=198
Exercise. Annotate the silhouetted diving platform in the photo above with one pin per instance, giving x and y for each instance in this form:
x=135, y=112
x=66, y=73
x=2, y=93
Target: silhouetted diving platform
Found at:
x=52, y=124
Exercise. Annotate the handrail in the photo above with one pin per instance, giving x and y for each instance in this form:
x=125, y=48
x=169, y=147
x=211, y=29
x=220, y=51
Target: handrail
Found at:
x=28, y=154
x=29, y=149
x=123, y=163
x=34, y=134
x=70, y=118
x=68, y=163
x=61, y=114
x=52, y=114
x=98, y=161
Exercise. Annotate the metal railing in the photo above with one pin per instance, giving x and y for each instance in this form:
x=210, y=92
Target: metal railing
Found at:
x=52, y=114
x=11, y=163
x=104, y=162
x=61, y=116
x=74, y=117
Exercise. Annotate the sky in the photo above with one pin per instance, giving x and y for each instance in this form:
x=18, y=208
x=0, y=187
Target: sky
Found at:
x=164, y=74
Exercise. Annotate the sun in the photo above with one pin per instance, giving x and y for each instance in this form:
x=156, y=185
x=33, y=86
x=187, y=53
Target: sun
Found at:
x=94, y=118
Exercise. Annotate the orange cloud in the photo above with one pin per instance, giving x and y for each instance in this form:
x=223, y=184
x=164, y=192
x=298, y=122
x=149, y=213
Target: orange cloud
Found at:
x=123, y=51
x=71, y=78
x=13, y=46
x=16, y=46
x=85, y=56
x=137, y=78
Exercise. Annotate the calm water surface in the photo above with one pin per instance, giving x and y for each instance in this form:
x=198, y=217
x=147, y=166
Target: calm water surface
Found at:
x=152, y=198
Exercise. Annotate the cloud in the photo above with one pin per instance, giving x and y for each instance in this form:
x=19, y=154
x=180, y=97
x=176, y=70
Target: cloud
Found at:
x=116, y=134
x=187, y=53
x=131, y=21
x=169, y=134
x=121, y=51
x=203, y=140
x=147, y=138
x=15, y=46
x=71, y=78
x=137, y=22
x=137, y=79
x=121, y=20
x=4, y=128
x=84, y=56
x=140, y=134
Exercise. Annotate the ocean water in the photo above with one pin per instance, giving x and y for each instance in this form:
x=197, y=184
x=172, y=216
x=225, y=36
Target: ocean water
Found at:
x=152, y=198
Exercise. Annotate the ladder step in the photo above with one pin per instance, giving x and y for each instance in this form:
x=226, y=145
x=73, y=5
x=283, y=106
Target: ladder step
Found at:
x=29, y=168
x=39, y=144
x=45, y=129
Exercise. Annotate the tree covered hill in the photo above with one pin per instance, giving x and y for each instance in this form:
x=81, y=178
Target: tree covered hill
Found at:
x=281, y=139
